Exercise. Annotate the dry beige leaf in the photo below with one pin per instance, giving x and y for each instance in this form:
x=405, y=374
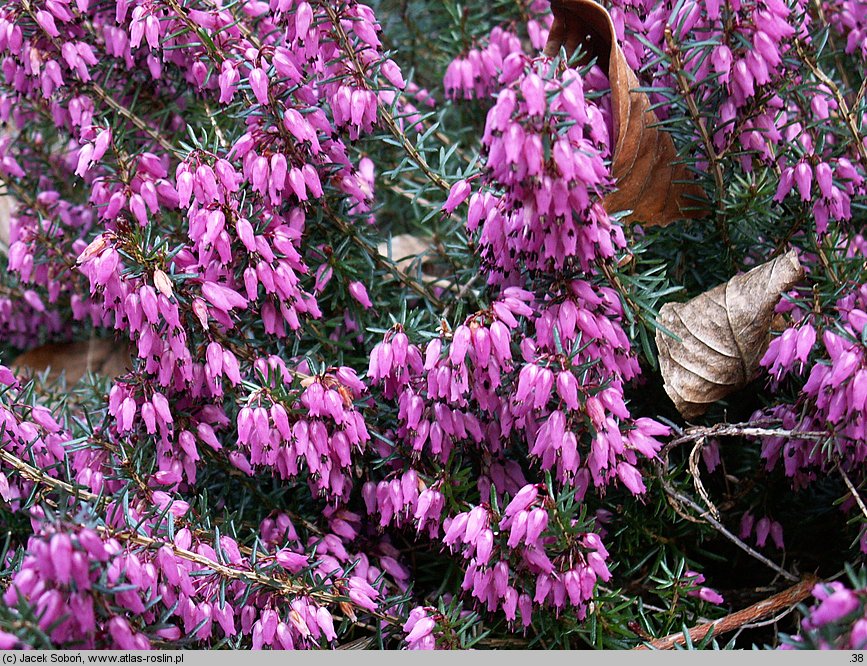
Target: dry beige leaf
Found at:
x=723, y=334
x=5, y=214
x=6, y=208
x=649, y=183
x=74, y=359
x=405, y=250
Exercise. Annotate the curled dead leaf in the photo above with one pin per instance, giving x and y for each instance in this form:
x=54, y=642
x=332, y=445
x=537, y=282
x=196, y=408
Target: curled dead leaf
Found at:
x=723, y=334
x=74, y=359
x=649, y=182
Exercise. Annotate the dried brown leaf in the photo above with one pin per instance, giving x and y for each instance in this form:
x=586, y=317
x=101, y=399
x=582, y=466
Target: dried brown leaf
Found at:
x=723, y=334
x=74, y=359
x=649, y=183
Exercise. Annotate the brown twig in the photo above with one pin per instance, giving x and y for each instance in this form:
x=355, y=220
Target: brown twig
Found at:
x=685, y=90
x=387, y=119
x=771, y=620
x=695, y=472
x=741, y=430
x=673, y=494
x=758, y=611
x=680, y=502
x=843, y=106
x=852, y=489
x=38, y=476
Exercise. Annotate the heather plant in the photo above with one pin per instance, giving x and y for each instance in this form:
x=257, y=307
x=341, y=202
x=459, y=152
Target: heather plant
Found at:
x=321, y=442
x=835, y=620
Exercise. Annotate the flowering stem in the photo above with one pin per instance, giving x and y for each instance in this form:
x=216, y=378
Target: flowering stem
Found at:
x=385, y=114
x=343, y=226
x=698, y=121
x=346, y=45
x=134, y=537
x=845, y=111
x=103, y=95
x=841, y=70
x=134, y=119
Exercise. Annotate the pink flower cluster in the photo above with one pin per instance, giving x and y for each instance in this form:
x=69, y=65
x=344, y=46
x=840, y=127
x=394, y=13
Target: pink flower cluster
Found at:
x=179, y=247
x=825, y=356
x=226, y=264
x=849, y=18
x=694, y=586
x=547, y=211
x=835, y=392
x=420, y=628
x=836, y=621
x=546, y=373
x=153, y=573
x=68, y=568
x=762, y=528
x=323, y=439
x=476, y=74
x=191, y=176
x=743, y=57
x=45, y=289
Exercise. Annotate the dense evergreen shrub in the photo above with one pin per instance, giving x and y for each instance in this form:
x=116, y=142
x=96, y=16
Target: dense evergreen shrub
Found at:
x=322, y=442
